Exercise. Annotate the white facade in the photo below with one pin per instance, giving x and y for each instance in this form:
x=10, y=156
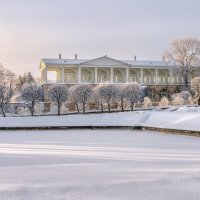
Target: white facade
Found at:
x=106, y=70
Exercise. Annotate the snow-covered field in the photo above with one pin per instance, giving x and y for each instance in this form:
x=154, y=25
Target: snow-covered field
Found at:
x=98, y=165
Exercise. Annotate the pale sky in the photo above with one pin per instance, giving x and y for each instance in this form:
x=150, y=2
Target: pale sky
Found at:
x=35, y=29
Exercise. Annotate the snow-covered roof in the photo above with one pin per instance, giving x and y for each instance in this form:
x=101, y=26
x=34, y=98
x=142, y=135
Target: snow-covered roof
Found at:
x=141, y=63
x=53, y=61
x=147, y=63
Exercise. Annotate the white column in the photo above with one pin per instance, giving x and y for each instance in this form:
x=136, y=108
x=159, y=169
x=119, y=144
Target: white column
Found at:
x=95, y=74
x=46, y=75
x=171, y=78
x=79, y=74
x=127, y=75
x=111, y=75
x=63, y=75
x=156, y=76
x=141, y=76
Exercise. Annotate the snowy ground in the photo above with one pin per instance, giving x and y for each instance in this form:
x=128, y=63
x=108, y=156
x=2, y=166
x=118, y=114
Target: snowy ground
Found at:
x=98, y=165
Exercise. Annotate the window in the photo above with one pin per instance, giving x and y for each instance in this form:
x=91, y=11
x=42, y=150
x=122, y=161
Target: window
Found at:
x=163, y=93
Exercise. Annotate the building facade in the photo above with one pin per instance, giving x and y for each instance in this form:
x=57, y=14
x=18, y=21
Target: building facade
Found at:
x=155, y=75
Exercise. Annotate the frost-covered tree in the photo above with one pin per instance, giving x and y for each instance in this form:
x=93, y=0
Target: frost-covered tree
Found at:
x=185, y=54
x=74, y=98
x=177, y=100
x=195, y=86
x=185, y=95
x=181, y=98
x=133, y=93
x=97, y=98
x=81, y=94
x=58, y=94
x=147, y=102
x=6, y=93
x=32, y=94
x=121, y=94
x=108, y=94
x=164, y=102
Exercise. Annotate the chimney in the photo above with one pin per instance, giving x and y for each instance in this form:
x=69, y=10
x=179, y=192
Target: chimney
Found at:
x=135, y=58
x=76, y=57
x=60, y=56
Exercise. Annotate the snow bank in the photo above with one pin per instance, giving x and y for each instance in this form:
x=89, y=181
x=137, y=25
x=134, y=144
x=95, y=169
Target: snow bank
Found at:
x=105, y=119
x=154, y=119
x=174, y=120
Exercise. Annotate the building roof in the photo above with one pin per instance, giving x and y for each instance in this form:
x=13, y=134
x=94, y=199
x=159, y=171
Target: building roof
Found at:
x=140, y=63
x=53, y=61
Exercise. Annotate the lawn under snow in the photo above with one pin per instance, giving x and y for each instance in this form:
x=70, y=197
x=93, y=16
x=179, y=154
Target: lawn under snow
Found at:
x=98, y=165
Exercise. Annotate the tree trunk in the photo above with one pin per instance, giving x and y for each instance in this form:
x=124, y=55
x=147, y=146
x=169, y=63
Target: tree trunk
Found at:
x=101, y=107
x=109, y=107
x=77, y=108
x=132, y=106
x=186, y=80
x=32, y=108
x=58, y=109
x=4, y=115
x=198, y=101
x=122, y=104
x=83, y=107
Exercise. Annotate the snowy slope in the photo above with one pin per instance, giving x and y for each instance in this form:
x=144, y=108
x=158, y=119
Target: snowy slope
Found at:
x=157, y=119
x=174, y=120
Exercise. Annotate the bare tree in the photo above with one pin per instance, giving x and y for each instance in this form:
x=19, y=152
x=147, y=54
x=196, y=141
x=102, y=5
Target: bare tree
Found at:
x=81, y=94
x=6, y=76
x=6, y=87
x=108, y=93
x=134, y=93
x=59, y=95
x=32, y=94
x=185, y=54
x=6, y=93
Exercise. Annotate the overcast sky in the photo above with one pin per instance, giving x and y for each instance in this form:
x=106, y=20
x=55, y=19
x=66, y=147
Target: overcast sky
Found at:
x=35, y=29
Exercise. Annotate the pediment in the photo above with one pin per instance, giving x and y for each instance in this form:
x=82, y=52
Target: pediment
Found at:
x=104, y=61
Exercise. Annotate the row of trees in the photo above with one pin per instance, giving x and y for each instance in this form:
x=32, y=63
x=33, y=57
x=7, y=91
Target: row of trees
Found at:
x=82, y=95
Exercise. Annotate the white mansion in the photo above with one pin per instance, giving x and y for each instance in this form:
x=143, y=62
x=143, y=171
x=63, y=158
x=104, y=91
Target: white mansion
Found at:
x=109, y=70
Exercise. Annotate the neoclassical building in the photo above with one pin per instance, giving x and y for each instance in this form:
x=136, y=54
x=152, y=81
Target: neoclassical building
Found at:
x=156, y=75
